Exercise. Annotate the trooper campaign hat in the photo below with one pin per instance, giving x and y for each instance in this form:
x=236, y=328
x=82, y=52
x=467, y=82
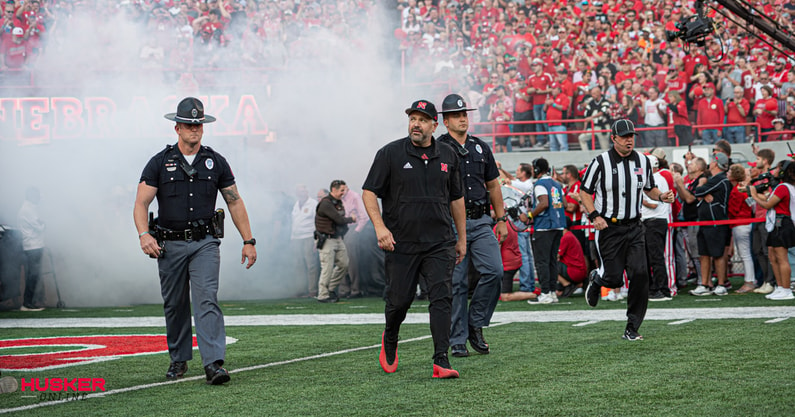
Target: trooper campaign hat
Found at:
x=191, y=112
x=454, y=103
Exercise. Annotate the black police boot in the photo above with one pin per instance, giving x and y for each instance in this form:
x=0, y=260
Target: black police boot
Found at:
x=476, y=340
x=216, y=375
x=459, y=351
x=176, y=370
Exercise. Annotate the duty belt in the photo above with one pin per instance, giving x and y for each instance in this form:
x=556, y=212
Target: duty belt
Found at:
x=622, y=222
x=196, y=233
x=477, y=211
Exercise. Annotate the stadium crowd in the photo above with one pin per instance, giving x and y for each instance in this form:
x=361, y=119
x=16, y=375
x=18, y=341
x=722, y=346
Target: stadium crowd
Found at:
x=593, y=60
x=182, y=34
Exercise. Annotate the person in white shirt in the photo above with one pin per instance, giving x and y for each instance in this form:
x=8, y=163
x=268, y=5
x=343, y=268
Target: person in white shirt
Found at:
x=654, y=110
x=659, y=254
x=302, y=239
x=32, y=229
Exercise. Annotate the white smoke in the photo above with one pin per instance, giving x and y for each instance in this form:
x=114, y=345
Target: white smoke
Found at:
x=328, y=113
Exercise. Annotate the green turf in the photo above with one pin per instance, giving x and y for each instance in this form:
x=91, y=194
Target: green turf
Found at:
x=700, y=368
x=376, y=305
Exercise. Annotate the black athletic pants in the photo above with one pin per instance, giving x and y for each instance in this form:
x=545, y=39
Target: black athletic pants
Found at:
x=403, y=272
x=622, y=247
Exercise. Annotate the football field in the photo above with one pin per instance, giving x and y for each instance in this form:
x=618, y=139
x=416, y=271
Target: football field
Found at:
x=702, y=356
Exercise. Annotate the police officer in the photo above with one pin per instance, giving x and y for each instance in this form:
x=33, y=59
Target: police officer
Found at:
x=480, y=178
x=611, y=194
x=418, y=182
x=186, y=178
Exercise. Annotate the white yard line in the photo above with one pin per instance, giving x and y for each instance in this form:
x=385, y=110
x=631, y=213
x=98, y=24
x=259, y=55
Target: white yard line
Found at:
x=577, y=316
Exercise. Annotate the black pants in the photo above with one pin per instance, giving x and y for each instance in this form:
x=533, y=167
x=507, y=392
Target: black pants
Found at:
x=620, y=248
x=684, y=133
x=545, y=254
x=403, y=272
x=32, y=273
x=656, y=230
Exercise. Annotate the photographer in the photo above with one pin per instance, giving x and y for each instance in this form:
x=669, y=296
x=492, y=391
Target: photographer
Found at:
x=782, y=235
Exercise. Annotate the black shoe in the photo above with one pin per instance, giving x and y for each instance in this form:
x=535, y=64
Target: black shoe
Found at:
x=459, y=351
x=176, y=370
x=568, y=290
x=631, y=335
x=477, y=342
x=216, y=375
x=594, y=291
x=327, y=300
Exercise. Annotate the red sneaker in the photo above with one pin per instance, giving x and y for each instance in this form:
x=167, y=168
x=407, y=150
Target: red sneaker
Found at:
x=382, y=358
x=444, y=373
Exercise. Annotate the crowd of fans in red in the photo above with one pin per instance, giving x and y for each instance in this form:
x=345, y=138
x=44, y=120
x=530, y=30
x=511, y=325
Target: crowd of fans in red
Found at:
x=182, y=34
x=520, y=60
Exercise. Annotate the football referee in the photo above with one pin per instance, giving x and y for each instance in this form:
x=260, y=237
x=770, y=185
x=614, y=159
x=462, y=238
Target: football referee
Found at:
x=611, y=194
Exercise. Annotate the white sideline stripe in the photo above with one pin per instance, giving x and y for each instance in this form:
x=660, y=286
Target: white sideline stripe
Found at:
x=674, y=323
x=776, y=320
x=585, y=323
x=530, y=316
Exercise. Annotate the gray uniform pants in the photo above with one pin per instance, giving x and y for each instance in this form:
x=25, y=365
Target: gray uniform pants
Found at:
x=191, y=269
x=333, y=266
x=484, y=251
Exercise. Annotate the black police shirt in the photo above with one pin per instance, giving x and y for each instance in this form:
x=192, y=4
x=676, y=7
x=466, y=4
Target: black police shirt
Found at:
x=186, y=192
x=416, y=186
x=477, y=168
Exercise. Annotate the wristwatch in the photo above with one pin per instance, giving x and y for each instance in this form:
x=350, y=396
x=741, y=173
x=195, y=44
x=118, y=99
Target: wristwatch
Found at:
x=593, y=215
x=503, y=218
x=252, y=242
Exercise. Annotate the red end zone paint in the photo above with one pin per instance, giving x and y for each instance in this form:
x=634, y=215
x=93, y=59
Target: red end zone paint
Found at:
x=84, y=350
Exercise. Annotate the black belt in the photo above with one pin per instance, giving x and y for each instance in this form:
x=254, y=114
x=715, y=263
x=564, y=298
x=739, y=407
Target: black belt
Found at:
x=196, y=233
x=624, y=222
x=477, y=211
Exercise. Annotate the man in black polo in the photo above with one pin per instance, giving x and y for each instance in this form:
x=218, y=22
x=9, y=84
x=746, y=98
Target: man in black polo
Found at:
x=186, y=178
x=611, y=194
x=418, y=183
x=480, y=178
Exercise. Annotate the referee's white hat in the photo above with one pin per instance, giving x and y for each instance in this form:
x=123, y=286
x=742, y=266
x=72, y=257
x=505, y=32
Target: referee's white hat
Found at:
x=623, y=127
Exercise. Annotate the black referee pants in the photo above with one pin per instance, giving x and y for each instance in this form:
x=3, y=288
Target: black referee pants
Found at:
x=656, y=231
x=620, y=248
x=403, y=272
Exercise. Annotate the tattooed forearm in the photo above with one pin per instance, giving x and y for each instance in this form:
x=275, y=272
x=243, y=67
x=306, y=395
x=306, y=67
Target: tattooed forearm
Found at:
x=230, y=194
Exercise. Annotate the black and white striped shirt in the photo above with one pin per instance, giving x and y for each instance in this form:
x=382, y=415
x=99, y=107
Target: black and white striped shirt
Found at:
x=617, y=184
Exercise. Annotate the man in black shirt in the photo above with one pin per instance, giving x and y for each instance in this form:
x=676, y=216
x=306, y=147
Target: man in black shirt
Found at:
x=712, y=240
x=611, y=194
x=417, y=179
x=597, y=110
x=186, y=178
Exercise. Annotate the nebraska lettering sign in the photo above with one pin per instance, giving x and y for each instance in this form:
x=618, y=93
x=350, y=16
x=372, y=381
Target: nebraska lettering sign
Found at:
x=39, y=120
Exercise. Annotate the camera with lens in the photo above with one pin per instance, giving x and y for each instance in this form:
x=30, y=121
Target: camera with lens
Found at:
x=692, y=29
x=765, y=180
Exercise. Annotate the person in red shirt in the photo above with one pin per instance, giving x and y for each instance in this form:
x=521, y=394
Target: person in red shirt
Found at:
x=15, y=51
x=500, y=114
x=710, y=112
x=523, y=111
x=738, y=208
x=765, y=110
x=511, y=262
x=737, y=109
x=571, y=263
x=678, y=118
x=538, y=83
x=555, y=109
